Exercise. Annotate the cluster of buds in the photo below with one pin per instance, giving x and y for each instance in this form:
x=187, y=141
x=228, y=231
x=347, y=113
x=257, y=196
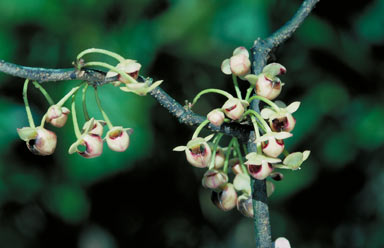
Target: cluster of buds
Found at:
x=272, y=125
x=89, y=143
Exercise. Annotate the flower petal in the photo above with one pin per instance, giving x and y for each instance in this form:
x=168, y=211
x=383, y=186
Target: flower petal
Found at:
x=241, y=50
x=293, y=107
x=266, y=113
x=179, y=148
x=225, y=67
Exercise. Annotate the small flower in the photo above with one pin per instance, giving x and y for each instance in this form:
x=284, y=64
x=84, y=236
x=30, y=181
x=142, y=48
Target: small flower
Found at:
x=281, y=120
x=273, y=144
x=234, y=108
x=226, y=199
x=57, y=116
x=129, y=66
x=244, y=205
x=267, y=84
x=242, y=183
x=216, y=117
x=259, y=166
x=197, y=151
x=214, y=179
x=239, y=64
x=294, y=160
x=235, y=165
x=219, y=158
x=39, y=140
x=118, y=139
x=97, y=127
x=88, y=145
x=270, y=188
x=282, y=243
x=141, y=89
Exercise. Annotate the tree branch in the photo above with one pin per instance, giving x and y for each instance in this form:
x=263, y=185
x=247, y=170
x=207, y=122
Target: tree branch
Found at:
x=261, y=50
x=97, y=78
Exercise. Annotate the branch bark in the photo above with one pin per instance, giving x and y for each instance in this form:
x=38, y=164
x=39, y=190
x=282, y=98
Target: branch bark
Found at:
x=260, y=55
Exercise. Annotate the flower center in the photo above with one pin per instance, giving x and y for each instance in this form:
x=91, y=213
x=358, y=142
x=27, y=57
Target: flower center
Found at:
x=198, y=150
x=280, y=124
x=254, y=168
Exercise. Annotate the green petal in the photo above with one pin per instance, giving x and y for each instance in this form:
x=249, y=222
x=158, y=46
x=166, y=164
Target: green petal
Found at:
x=179, y=148
x=27, y=133
x=293, y=107
x=294, y=160
x=273, y=69
x=266, y=113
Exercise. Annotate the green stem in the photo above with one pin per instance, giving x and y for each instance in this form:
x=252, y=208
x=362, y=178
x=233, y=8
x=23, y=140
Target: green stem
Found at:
x=112, y=68
x=229, y=151
x=267, y=101
x=237, y=148
x=264, y=125
x=26, y=103
x=102, y=51
x=215, y=145
x=74, y=118
x=237, y=89
x=249, y=92
x=257, y=133
x=83, y=99
x=222, y=92
x=43, y=120
x=68, y=95
x=199, y=128
x=105, y=116
x=44, y=92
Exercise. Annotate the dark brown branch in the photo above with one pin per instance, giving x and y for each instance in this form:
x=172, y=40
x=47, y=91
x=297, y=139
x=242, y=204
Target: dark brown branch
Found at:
x=97, y=78
x=260, y=55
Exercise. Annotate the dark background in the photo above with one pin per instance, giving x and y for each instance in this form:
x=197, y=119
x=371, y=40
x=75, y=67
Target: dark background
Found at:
x=150, y=196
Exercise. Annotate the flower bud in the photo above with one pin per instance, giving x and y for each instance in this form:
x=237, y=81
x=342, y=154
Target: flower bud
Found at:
x=270, y=188
x=214, y=179
x=273, y=147
x=244, y=205
x=219, y=158
x=235, y=166
x=234, y=108
x=240, y=65
x=268, y=88
x=93, y=146
x=282, y=243
x=226, y=199
x=242, y=183
x=198, y=152
x=216, y=117
x=117, y=139
x=57, y=116
x=97, y=128
x=40, y=142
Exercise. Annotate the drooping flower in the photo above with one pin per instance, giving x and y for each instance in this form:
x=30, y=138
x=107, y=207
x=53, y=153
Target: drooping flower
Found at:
x=197, y=151
x=118, y=139
x=239, y=64
x=216, y=117
x=219, y=158
x=97, y=127
x=282, y=243
x=57, y=116
x=282, y=119
x=226, y=199
x=267, y=84
x=214, y=179
x=234, y=108
x=39, y=140
x=88, y=145
x=129, y=66
x=244, y=205
x=141, y=89
x=272, y=143
x=260, y=166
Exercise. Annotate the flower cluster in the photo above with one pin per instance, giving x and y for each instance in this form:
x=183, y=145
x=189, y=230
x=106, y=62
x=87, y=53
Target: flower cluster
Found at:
x=89, y=143
x=272, y=125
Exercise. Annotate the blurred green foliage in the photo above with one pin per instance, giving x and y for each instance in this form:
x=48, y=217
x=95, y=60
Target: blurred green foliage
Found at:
x=334, y=63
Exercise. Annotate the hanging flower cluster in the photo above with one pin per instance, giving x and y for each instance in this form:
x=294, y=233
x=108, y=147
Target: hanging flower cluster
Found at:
x=271, y=126
x=90, y=139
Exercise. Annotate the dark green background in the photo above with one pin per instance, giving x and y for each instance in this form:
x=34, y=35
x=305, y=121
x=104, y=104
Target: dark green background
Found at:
x=149, y=196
